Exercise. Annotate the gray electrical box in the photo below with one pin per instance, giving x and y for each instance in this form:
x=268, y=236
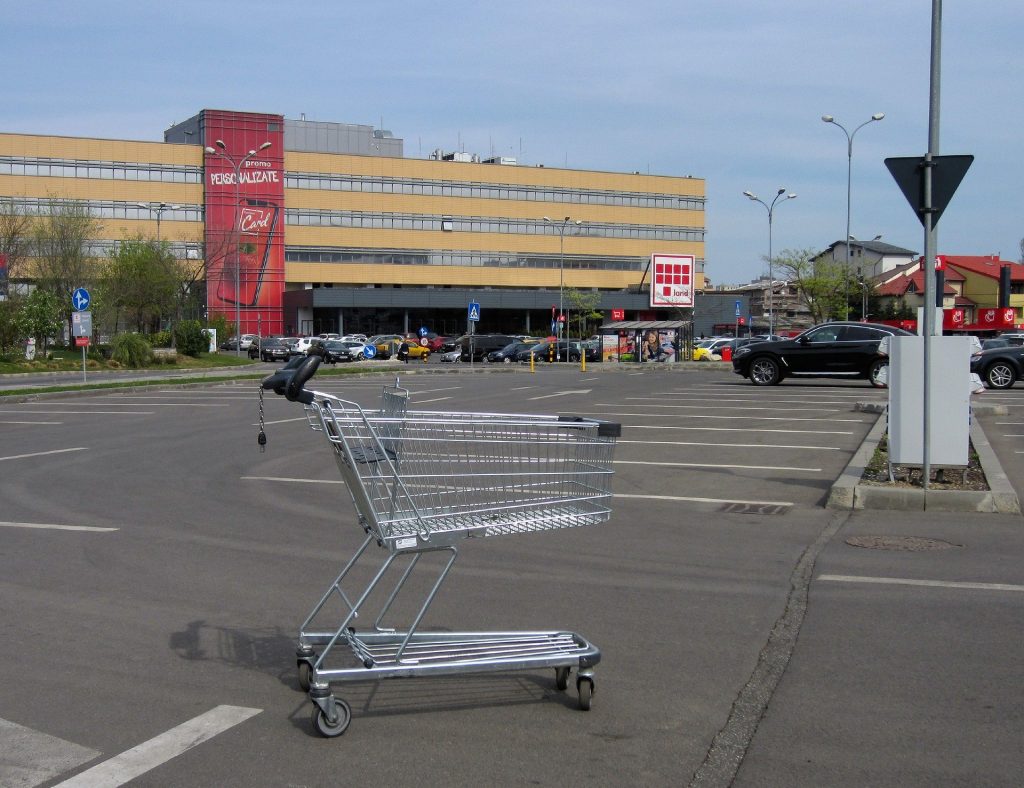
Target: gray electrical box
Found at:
x=949, y=389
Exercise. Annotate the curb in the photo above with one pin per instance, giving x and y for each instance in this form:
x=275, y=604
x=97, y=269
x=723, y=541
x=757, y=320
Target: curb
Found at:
x=848, y=493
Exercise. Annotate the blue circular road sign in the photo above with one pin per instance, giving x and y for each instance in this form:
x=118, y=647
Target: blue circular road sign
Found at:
x=80, y=299
x=369, y=351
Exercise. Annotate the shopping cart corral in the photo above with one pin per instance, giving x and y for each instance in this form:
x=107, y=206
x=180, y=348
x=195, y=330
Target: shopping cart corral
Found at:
x=421, y=482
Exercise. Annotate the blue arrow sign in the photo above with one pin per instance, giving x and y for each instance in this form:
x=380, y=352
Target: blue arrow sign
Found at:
x=423, y=331
x=474, y=311
x=80, y=299
x=369, y=351
x=738, y=313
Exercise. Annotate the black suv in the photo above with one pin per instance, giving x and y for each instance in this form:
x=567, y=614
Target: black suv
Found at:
x=269, y=349
x=482, y=344
x=999, y=367
x=831, y=350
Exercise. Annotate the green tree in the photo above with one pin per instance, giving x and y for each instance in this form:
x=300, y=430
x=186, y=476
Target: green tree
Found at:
x=584, y=303
x=190, y=339
x=822, y=284
x=140, y=282
x=15, y=243
x=41, y=315
x=10, y=329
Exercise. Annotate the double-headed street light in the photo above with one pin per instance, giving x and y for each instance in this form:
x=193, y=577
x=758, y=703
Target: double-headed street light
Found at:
x=561, y=274
x=236, y=165
x=158, y=208
x=849, y=172
x=771, y=273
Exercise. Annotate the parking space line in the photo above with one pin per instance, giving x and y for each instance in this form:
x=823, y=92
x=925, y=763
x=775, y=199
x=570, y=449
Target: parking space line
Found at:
x=287, y=479
x=734, y=429
x=903, y=581
x=54, y=527
x=85, y=412
x=708, y=465
x=31, y=757
x=729, y=418
x=425, y=401
x=39, y=423
x=731, y=445
x=698, y=407
x=157, y=751
x=280, y=421
x=42, y=453
x=700, y=500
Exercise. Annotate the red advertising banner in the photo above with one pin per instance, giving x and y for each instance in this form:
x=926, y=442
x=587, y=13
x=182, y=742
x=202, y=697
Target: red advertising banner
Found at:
x=1000, y=317
x=244, y=184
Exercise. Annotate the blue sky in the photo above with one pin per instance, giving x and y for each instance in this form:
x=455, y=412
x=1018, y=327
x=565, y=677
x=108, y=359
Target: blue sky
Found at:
x=731, y=91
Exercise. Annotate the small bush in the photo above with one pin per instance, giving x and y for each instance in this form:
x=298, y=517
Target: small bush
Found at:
x=190, y=339
x=160, y=339
x=131, y=350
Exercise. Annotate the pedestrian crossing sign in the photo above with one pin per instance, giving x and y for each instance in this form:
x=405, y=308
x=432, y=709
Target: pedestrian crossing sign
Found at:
x=474, y=311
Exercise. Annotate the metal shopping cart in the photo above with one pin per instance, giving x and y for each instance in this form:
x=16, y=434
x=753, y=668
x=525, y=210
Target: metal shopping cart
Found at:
x=421, y=482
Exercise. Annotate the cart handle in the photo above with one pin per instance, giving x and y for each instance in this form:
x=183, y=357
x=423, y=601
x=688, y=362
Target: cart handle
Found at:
x=291, y=378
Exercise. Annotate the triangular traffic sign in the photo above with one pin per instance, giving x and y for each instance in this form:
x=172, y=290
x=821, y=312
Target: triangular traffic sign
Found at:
x=947, y=173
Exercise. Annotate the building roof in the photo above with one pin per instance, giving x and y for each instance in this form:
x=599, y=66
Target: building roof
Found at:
x=913, y=283
x=986, y=265
x=878, y=247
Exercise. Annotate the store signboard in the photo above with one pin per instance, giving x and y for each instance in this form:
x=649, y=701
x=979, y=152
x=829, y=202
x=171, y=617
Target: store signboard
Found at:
x=672, y=280
x=244, y=187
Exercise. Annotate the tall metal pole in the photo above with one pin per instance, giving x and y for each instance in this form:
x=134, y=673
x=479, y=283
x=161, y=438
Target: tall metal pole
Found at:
x=771, y=262
x=849, y=181
x=236, y=166
x=561, y=280
x=930, y=237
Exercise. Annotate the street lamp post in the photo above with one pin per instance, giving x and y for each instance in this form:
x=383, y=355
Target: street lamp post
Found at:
x=236, y=165
x=561, y=275
x=771, y=273
x=158, y=208
x=849, y=172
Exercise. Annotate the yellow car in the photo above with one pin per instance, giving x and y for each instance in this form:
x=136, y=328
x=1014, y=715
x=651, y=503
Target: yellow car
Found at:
x=389, y=348
x=709, y=349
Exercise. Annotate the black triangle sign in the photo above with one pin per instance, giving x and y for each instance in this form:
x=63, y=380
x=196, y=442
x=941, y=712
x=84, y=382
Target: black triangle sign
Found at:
x=947, y=173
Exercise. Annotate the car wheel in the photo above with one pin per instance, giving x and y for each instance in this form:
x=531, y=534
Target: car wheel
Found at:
x=878, y=374
x=1000, y=375
x=764, y=371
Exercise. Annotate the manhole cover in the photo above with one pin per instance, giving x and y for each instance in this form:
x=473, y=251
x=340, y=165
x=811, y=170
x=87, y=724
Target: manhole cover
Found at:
x=910, y=543
x=754, y=508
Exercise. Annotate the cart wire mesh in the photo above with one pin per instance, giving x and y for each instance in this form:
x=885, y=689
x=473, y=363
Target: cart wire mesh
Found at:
x=424, y=473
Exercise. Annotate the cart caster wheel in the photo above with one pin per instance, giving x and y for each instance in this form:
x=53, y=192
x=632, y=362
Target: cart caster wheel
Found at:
x=585, y=687
x=328, y=729
x=561, y=678
x=305, y=674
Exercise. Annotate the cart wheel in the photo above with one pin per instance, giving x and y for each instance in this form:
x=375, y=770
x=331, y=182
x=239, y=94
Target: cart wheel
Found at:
x=305, y=673
x=324, y=727
x=561, y=678
x=585, y=687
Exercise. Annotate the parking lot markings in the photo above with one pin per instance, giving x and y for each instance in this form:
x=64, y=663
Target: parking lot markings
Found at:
x=31, y=757
x=731, y=445
x=42, y=453
x=708, y=465
x=35, y=423
x=694, y=499
x=729, y=418
x=86, y=412
x=734, y=429
x=287, y=479
x=54, y=527
x=425, y=401
x=903, y=581
x=157, y=751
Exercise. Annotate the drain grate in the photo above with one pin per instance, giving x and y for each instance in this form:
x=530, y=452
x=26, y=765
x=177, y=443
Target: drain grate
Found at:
x=913, y=544
x=755, y=508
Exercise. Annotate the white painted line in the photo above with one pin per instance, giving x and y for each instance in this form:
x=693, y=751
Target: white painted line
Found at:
x=737, y=429
x=901, y=581
x=286, y=479
x=52, y=527
x=41, y=453
x=38, y=423
x=280, y=421
x=752, y=399
x=728, y=418
x=157, y=751
x=434, y=391
x=562, y=394
x=731, y=445
x=588, y=380
x=31, y=757
x=701, y=500
x=87, y=412
x=425, y=401
x=705, y=407
x=522, y=388
x=708, y=465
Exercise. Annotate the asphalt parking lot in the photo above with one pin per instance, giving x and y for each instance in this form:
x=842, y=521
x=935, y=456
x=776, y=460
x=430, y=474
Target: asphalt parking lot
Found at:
x=156, y=566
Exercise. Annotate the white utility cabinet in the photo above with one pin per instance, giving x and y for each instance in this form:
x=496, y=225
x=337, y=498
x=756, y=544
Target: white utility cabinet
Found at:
x=950, y=400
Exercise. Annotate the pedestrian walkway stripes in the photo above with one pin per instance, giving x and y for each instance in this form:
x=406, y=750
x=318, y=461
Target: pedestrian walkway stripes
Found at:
x=29, y=757
x=148, y=755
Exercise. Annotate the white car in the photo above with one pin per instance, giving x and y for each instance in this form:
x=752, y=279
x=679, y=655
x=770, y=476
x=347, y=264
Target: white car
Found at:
x=246, y=342
x=301, y=348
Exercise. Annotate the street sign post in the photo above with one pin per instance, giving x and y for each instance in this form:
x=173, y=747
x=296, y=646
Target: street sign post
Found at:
x=81, y=319
x=80, y=299
x=947, y=173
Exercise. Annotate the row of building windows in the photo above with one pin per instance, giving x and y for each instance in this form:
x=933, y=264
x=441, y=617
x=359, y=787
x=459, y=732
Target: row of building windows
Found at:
x=482, y=224
x=167, y=173
x=495, y=191
x=300, y=254
x=376, y=221
x=104, y=170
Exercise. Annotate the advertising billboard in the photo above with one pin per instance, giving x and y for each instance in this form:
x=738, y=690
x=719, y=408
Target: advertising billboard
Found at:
x=672, y=280
x=244, y=185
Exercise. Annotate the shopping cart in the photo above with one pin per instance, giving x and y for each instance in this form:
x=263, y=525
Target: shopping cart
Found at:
x=421, y=482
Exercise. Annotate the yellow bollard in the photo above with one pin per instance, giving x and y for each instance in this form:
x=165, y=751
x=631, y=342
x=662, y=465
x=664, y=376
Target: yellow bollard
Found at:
x=583, y=360
x=531, y=361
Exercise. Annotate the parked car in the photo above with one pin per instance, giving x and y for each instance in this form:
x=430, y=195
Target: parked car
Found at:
x=999, y=367
x=389, y=348
x=563, y=349
x=269, y=349
x=508, y=353
x=303, y=344
x=383, y=344
x=481, y=345
x=451, y=356
x=233, y=343
x=840, y=349
x=336, y=350
x=706, y=350
x=994, y=342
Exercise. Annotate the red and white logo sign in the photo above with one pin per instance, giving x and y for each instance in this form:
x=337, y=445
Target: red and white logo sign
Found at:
x=618, y=314
x=672, y=279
